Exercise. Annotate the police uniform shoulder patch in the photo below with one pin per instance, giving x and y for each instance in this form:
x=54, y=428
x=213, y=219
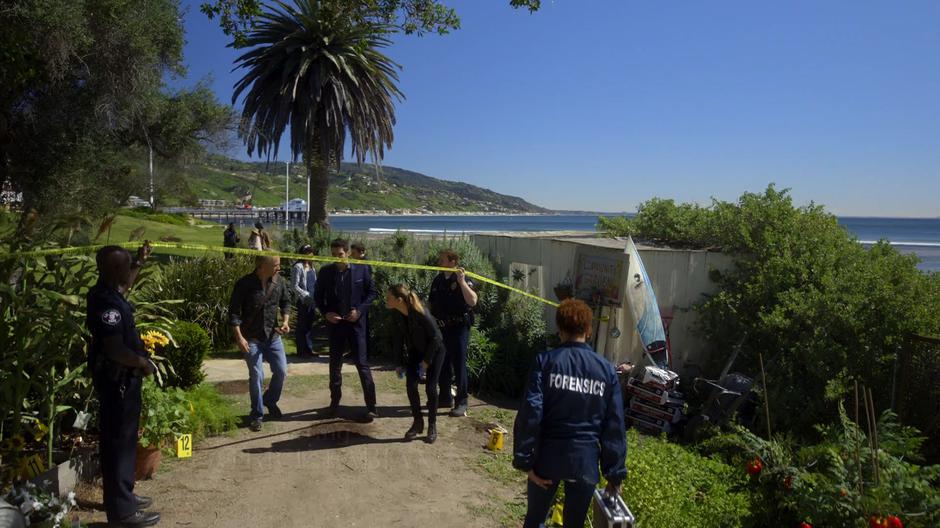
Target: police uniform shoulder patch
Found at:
x=111, y=317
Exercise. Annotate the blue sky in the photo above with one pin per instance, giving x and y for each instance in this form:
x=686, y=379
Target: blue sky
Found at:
x=602, y=104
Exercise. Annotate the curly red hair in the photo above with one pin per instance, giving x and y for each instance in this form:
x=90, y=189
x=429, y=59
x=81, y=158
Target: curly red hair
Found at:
x=574, y=317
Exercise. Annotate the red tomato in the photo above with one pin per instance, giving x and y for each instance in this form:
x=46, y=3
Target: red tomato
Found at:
x=754, y=466
x=876, y=521
x=805, y=524
x=894, y=522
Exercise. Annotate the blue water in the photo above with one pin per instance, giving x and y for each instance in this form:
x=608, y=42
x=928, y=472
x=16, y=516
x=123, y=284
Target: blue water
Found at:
x=909, y=235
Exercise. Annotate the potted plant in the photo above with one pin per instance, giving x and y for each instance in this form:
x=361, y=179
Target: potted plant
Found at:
x=564, y=289
x=164, y=415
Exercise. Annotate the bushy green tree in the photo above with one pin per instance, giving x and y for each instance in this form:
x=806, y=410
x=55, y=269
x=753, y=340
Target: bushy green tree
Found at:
x=83, y=82
x=822, y=308
x=408, y=16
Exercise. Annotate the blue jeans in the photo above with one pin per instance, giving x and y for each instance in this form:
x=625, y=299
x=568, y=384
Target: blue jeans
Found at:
x=577, y=500
x=271, y=351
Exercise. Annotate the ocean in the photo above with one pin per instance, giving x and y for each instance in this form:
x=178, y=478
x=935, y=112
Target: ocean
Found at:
x=909, y=235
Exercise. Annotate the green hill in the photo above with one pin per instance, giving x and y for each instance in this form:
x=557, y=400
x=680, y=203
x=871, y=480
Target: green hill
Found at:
x=352, y=187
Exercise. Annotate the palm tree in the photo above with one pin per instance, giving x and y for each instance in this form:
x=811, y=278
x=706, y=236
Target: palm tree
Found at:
x=313, y=68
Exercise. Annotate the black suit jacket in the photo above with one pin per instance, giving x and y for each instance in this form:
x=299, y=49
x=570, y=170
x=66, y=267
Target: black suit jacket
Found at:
x=362, y=290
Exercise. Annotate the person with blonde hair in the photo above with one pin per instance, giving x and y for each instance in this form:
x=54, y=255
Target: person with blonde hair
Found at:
x=257, y=298
x=418, y=341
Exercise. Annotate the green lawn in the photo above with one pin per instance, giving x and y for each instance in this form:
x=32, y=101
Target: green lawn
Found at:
x=200, y=233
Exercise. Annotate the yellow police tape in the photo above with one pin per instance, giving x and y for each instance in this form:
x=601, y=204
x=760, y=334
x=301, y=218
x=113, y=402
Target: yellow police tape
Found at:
x=269, y=253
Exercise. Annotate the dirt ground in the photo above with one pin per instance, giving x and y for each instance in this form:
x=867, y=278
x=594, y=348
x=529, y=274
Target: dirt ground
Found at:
x=307, y=470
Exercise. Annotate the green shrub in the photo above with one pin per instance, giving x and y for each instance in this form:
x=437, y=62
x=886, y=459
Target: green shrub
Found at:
x=192, y=347
x=518, y=332
x=212, y=413
x=824, y=310
x=668, y=486
x=201, y=411
x=820, y=482
x=406, y=248
x=480, y=353
x=164, y=218
x=205, y=285
x=164, y=414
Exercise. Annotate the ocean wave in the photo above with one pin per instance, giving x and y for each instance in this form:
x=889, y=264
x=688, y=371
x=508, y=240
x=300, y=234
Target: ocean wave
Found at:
x=903, y=243
x=428, y=231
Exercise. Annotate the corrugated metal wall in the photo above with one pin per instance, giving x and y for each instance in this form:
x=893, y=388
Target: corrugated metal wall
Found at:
x=680, y=278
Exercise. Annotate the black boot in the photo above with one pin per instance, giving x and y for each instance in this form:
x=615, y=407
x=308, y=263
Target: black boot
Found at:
x=416, y=428
x=432, y=433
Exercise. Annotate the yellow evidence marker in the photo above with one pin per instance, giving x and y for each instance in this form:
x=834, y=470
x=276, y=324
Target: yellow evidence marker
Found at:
x=184, y=446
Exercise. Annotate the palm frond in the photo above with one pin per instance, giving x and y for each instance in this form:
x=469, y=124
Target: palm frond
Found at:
x=310, y=68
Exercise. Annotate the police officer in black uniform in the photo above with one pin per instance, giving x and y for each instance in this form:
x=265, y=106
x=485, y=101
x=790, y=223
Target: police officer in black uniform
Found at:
x=570, y=422
x=118, y=363
x=452, y=300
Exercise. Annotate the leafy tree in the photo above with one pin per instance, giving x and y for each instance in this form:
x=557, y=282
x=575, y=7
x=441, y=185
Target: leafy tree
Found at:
x=822, y=309
x=236, y=17
x=82, y=80
x=311, y=67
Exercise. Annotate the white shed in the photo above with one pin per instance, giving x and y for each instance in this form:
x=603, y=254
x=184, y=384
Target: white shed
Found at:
x=539, y=262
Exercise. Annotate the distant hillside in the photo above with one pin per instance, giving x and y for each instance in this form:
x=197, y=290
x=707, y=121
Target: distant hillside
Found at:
x=353, y=188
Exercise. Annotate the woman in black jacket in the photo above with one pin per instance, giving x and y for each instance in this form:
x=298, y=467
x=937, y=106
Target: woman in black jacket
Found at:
x=418, y=340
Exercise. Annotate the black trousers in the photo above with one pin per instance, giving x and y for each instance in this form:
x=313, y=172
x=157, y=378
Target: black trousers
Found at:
x=411, y=382
x=353, y=335
x=577, y=501
x=119, y=422
x=306, y=316
x=454, y=372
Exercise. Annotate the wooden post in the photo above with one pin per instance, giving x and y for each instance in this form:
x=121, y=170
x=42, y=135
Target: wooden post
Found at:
x=874, y=421
x=871, y=446
x=763, y=377
x=858, y=448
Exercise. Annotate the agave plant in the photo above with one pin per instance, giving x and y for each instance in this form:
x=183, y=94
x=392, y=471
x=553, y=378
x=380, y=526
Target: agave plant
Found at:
x=314, y=68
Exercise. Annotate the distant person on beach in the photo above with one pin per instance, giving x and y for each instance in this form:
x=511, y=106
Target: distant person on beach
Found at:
x=419, y=343
x=570, y=422
x=259, y=239
x=230, y=238
x=343, y=294
x=452, y=300
x=303, y=279
x=253, y=314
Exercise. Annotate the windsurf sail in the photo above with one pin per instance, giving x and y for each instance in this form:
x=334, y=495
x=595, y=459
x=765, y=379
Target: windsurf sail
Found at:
x=645, y=309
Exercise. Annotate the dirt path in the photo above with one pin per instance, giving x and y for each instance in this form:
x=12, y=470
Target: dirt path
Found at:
x=307, y=470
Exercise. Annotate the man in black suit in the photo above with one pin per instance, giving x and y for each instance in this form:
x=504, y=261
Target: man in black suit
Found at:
x=343, y=295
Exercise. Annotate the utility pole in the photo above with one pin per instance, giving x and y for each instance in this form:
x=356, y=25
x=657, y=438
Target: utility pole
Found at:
x=287, y=198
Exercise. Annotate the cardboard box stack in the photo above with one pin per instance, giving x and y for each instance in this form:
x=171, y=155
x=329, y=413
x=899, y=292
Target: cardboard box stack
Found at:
x=654, y=405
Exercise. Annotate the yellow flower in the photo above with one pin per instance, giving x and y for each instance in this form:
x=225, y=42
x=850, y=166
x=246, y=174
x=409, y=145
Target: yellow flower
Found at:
x=153, y=339
x=40, y=431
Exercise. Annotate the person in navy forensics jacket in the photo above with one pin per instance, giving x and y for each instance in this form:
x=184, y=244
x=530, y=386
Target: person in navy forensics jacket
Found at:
x=343, y=295
x=570, y=422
